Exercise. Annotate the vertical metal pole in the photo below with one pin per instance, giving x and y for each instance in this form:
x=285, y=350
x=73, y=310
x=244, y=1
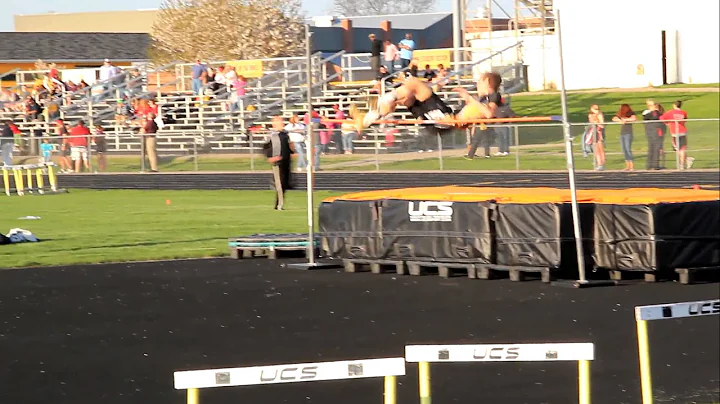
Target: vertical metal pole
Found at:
x=457, y=32
x=440, y=151
x=377, y=150
x=309, y=148
x=195, y=155
x=252, y=150
x=142, y=152
x=570, y=159
x=517, y=147
x=490, y=30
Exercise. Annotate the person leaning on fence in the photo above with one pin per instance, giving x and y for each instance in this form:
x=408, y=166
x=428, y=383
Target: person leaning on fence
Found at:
x=626, y=116
x=597, y=121
x=278, y=151
x=654, y=131
x=675, y=120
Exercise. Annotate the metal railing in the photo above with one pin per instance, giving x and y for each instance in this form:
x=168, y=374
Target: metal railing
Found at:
x=536, y=146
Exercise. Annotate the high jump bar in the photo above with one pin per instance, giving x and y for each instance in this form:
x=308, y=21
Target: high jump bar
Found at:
x=454, y=121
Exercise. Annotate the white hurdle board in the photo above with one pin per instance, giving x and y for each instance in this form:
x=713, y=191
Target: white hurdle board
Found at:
x=290, y=373
x=677, y=310
x=500, y=352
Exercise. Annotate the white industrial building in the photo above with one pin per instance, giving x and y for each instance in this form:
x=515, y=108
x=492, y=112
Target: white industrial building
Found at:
x=615, y=43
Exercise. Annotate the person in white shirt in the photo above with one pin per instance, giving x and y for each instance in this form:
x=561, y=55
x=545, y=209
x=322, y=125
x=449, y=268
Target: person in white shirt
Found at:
x=296, y=131
x=391, y=55
x=107, y=72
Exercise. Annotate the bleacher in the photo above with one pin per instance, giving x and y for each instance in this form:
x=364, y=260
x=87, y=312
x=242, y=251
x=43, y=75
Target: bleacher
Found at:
x=209, y=125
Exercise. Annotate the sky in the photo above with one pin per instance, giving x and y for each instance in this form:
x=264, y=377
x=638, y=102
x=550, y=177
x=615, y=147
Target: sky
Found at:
x=12, y=7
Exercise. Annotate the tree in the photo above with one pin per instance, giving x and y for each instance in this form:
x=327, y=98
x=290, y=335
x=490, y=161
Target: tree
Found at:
x=351, y=8
x=227, y=30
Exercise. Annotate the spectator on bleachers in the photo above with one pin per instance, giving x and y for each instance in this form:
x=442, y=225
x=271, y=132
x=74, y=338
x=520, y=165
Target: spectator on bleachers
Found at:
x=154, y=107
x=376, y=46
x=429, y=74
x=78, y=141
x=210, y=82
x=142, y=109
x=198, y=70
x=413, y=71
x=439, y=81
x=238, y=87
x=392, y=54
x=108, y=72
x=406, y=46
x=33, y=110
x=337, y=136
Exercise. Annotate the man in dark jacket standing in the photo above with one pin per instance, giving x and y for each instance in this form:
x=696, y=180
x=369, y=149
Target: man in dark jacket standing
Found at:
x=7, y=140
x=279, y=155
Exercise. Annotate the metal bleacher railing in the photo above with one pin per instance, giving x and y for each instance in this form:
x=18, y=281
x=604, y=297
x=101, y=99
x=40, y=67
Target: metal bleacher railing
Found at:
x=220, y=122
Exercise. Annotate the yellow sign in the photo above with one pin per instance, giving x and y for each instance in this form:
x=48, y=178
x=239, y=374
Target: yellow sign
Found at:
x=248, y=68
x=432, y=57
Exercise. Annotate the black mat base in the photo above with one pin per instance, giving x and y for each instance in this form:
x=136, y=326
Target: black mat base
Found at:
x=114, y=334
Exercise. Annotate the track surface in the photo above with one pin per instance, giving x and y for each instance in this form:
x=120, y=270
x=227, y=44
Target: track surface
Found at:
x=115, y=334
x=339, y=181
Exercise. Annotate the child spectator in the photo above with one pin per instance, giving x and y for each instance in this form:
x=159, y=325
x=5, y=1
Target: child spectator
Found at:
x=47, y=148
x=597, y=121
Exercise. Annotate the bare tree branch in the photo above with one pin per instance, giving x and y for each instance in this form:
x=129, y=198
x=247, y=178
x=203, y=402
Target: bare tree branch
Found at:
x=352, y=8
x=227, y=30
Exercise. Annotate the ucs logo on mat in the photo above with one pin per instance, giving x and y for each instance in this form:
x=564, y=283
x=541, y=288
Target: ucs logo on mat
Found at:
x=430, y=211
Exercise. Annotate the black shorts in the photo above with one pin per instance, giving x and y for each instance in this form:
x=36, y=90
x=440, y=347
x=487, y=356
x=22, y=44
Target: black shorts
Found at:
x=100, y=148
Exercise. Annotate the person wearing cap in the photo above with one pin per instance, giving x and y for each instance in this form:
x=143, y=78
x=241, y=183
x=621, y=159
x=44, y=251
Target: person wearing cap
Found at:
x=107, y=72
x=78, y=142
x=376, y=48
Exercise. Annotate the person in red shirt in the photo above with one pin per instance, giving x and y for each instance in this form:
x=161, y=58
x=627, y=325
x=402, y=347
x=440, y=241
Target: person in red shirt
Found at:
x=78, y=141
x=675, y=120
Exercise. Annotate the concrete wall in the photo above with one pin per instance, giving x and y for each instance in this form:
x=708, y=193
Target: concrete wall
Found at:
x=135, y=21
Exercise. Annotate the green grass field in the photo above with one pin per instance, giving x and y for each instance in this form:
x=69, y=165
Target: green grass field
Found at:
x=113, y=226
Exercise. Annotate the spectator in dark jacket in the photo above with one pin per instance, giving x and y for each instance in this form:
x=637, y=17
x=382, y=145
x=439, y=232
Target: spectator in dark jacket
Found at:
x=654, y=131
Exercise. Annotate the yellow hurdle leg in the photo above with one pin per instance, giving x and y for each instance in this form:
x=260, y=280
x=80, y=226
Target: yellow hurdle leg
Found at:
x=390, y=390
x=424, y=376
x=19, y=182
x=40, y=181
x=584, y=382
x=6, y=181
x=52, y=178
x=644, y=356
x=193, y=396
x=29, y=179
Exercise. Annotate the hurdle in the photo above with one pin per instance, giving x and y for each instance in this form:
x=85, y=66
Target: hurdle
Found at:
x=26, y=171
x=643, y=314
x=387, y=368
x=423, y=355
